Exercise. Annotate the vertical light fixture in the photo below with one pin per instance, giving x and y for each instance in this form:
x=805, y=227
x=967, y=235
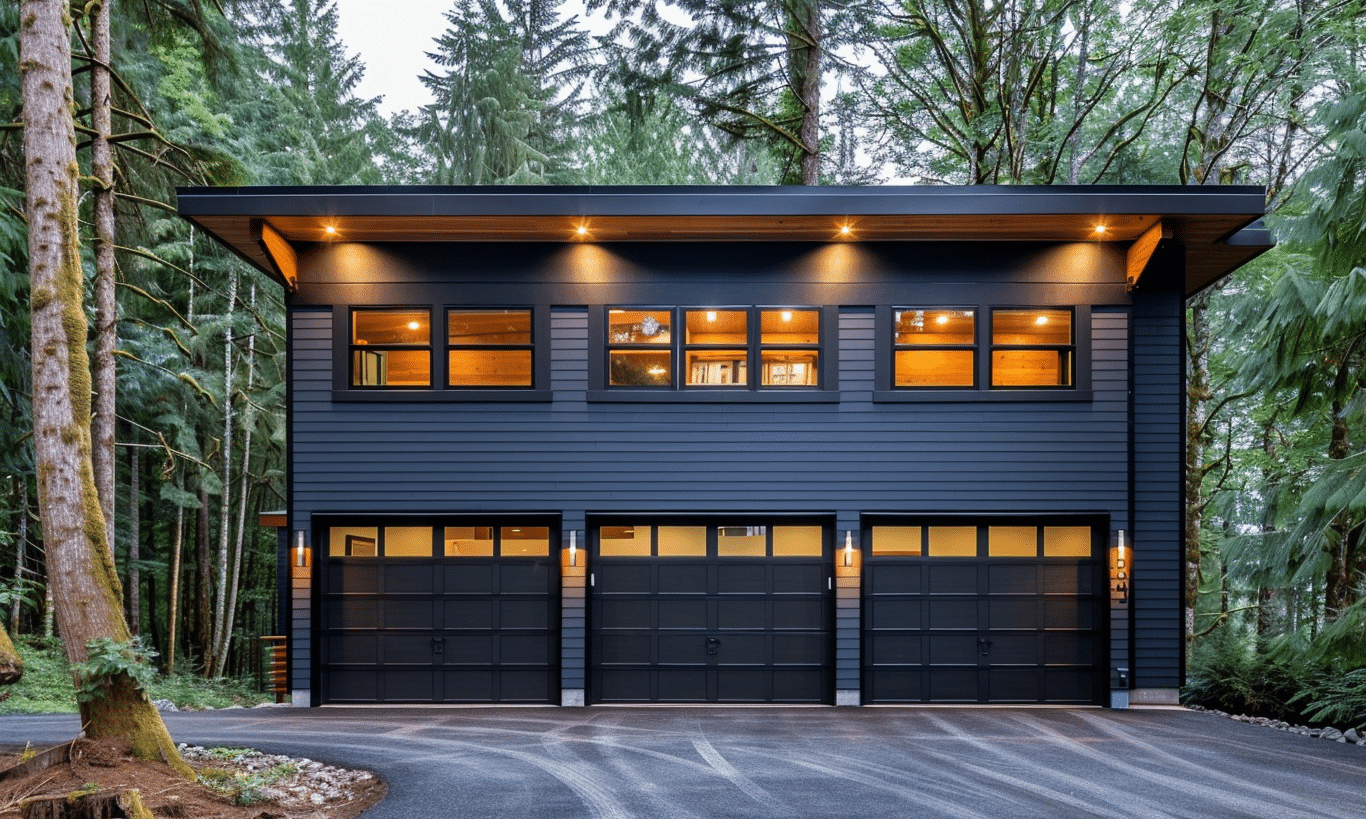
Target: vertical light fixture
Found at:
x=1121, y=587
x=848, y=547
x=300, y=547
x=573, y=547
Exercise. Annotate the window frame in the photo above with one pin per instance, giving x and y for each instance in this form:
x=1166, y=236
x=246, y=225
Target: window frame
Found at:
x=529, y=346
x=353, y=349
x=991, y=346
x=973, y=347
x=886, y=391
x=678, y=348
x=438, y=390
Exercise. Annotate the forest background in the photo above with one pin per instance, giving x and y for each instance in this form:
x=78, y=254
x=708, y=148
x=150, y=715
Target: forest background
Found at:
x=813, y=92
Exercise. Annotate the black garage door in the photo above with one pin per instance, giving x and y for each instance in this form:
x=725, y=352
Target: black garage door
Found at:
x=427, y=613
x=1003, y=612
x=708, y=613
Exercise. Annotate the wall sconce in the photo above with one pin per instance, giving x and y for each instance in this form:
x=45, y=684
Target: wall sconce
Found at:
x=300, y=547
x=1121, y=576
x=848, y=547
x=573, y=547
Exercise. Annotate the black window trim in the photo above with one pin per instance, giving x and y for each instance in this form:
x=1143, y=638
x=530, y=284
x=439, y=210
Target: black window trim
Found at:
x=600, y=348
x=343, y=392
x=884, y=338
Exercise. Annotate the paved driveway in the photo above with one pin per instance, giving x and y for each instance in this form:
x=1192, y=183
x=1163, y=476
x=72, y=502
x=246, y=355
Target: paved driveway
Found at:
x=621, y=763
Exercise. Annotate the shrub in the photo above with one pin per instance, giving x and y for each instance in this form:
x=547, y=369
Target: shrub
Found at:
x=1226, y=675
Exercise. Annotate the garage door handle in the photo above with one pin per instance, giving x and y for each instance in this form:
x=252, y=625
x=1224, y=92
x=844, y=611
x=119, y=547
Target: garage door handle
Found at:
x=712, y=644
x=438, y=645
x=985, y=645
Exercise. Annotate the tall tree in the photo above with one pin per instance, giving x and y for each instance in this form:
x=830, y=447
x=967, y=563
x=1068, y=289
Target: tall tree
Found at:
x=81, y=573
x=753, y=68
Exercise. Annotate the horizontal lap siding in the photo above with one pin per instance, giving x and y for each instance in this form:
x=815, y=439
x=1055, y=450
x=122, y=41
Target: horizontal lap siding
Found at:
x=1158, y=445
x=570, y=454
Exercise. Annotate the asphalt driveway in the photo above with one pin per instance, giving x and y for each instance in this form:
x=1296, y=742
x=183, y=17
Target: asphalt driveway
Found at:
x=969, y=763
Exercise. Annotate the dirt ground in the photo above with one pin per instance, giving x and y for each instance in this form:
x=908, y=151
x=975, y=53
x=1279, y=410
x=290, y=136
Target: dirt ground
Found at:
x=107, y=767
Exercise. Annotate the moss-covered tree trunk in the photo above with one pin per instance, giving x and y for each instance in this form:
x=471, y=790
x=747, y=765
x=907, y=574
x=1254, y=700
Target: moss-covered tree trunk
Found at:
x=11, y=664
x=81, y=574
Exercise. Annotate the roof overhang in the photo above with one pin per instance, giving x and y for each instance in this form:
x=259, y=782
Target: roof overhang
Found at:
x=1217, y=225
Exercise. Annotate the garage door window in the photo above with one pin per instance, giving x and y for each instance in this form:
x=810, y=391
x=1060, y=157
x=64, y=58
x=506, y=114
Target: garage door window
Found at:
x=692, y=541
x=965, y=541
x=374, y=541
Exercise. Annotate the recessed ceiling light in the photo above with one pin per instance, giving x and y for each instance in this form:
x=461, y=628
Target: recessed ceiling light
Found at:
x=582, y=230
x=943, y=319
x=1041, y=320
x=711, y=315
x=845, y=230
x=1100, y=229
x=413, y=325
x=330, y=230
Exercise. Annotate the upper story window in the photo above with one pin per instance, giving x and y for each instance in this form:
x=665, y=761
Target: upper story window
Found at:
x=391, y=348
x=488, y=348
x=399, y=348
x=721, y=347
x=1032, y=347
x=1027, y=348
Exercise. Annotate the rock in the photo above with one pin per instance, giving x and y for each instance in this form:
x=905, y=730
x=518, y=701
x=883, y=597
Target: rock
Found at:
x=164, y=705
x=1331, y=734
x=1352, y=735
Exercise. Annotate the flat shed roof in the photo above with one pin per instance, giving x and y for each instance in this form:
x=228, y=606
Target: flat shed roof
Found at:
x=1218, y=225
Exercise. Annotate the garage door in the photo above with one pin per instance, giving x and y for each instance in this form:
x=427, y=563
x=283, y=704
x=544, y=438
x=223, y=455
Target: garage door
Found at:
x=440, y=614
x=1005, y=612
x=711, y=613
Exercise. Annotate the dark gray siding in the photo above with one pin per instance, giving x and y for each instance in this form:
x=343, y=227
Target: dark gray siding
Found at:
x=1158, y=461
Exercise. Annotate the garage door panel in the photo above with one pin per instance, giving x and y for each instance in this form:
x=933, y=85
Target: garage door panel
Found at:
x=800, y=649
x=1014, y=685
x=805, y=615
x=348, y=612
x=1013, y=649
x=682, y=579
x=626, y=614
x=627, y=685
x=523, y=613
x=675, y=614
x=953, y=579
x=408, y=685
x=799, y=579
x=466, y=577
x=408, y=579
x=1010, y=579
x=741, y=579
x=681, y=649
x=1066, y=579
x=354, y=685
x=619, y=649
x=406, y=648
x=1069, y=649
x=678, y=684
x=893, y=579
x=528, y=578
x=744, y=649
x=1070, y=685
x=469, y=686
x=952, y=649
x=618, y=578
x=469, y=614
x=523, y=686
x=525, y=649
x=468, y=649
x=745, y=685
x=1013, y=614
x=353, y=578
x=793, y=685
x=409, y=613
x=953, y=614
x=952, y=685
x=886, y=685
x=894, y=613
x=741, y=614
x=896, y=649
x=354, y=648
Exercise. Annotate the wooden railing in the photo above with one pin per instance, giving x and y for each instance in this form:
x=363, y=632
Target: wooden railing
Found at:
x=278, y=679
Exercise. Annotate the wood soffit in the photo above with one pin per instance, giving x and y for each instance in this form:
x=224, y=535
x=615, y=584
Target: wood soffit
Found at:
x=238, y=220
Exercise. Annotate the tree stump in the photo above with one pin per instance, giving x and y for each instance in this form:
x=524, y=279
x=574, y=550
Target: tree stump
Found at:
x=99, y=805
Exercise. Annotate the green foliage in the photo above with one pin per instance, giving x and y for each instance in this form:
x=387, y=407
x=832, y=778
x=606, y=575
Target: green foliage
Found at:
x=243, y=788
x=107, y=659
x=1338, y=699
x=1226, y=675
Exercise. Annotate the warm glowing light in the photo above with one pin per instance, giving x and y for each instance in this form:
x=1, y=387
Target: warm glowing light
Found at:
x=413, y=325
x=656, y=370
x=845, y=230
x=330, y=230
x=582, y=230
x=1100, y=229
x=787, y=315
x=848, y=548
x=711, y=315
x=1041, y=320
x=943, y=319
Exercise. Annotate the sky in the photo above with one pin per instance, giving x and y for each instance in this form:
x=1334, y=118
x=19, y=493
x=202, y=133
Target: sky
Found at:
x=392, y=38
